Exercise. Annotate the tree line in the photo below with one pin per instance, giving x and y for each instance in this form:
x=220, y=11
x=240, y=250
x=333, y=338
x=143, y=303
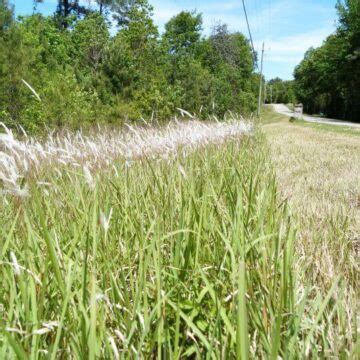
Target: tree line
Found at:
x=280, y=91
x=328, y=79
x=72, y=69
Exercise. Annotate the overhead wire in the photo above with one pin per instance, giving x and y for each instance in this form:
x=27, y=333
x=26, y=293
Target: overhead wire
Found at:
x=250, y=34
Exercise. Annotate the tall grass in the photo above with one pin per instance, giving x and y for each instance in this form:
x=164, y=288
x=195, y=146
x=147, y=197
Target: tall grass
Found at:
x=187, y=257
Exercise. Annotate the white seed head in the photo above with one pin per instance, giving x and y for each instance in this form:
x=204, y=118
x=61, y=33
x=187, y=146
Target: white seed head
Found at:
x=19, y=159
x=15, y=264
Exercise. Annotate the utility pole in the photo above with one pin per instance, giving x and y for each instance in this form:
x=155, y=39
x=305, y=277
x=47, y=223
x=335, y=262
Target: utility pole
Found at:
x=265, y=92
x=261, y=80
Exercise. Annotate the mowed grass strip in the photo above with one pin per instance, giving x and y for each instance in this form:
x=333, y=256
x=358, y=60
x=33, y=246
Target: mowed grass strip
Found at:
x=189, y=257
x=337, y=129
x=318, y=172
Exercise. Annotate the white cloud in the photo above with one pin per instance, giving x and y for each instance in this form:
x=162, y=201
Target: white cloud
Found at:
x=298, y=43
x=284, y=53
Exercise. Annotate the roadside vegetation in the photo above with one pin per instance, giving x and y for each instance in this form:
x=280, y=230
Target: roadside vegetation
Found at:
x=198, y=259
x=83, y=73
x=124, y=234
x=268, y=115
x=328, y=127
x=328, y=79
x=280, y=92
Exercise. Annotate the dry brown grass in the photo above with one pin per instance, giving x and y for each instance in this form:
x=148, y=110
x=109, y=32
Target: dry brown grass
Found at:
x=319, y=173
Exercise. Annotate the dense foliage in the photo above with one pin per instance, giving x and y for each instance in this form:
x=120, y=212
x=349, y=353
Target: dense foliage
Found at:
x=280, y=91
x=71, y=69
x=328, y=79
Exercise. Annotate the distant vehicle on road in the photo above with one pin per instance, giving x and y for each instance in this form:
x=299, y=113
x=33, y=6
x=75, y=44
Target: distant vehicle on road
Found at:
x=298, y=110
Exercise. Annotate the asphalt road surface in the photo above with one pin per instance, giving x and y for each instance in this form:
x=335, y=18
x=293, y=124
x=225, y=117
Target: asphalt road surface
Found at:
x=283, y=109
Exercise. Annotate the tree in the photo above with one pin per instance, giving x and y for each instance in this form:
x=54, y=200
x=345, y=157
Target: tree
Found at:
x=115, y=6
x=12, y=60
x=222, y=42
x=135, y=63
x=121, y=10
x=280, y=91
x=322, y=79
x=139, y=29
x=68, y=10
x=233, y=50
x=82, y=73
x=183, y=31
x=103, y=4
x=349, y=32
x=6, y=16
x=328, y=78
x=90, y=38
x=229, y=58
x=349, y=14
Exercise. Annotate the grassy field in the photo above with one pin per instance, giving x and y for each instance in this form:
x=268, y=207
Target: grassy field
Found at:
x=318, y=172
x=345, y=130
x=269, y=116
x=194, y=253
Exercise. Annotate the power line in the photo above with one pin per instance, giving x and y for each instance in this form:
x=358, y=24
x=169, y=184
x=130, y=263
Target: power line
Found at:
x=250, y=35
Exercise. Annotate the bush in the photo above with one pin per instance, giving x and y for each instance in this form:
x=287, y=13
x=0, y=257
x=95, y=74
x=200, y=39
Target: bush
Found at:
x=83, y=75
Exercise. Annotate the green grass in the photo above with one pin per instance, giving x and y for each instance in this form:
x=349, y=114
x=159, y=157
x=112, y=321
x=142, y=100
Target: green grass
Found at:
x=346, y=130
x=291, y=106
x=197, y=262
x=269, y=116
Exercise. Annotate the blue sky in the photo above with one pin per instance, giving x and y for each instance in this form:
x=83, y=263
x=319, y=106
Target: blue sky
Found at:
x=288, y=27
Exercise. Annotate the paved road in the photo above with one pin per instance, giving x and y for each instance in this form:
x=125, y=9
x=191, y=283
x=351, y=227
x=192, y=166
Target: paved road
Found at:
x=282, y=109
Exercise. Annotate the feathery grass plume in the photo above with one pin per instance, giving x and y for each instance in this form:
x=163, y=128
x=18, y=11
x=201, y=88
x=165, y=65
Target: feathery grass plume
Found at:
x=32, y=90
x=15, y=264
x=89, y=178
x=105, y=220
x=20, y=159
x=185, y=113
